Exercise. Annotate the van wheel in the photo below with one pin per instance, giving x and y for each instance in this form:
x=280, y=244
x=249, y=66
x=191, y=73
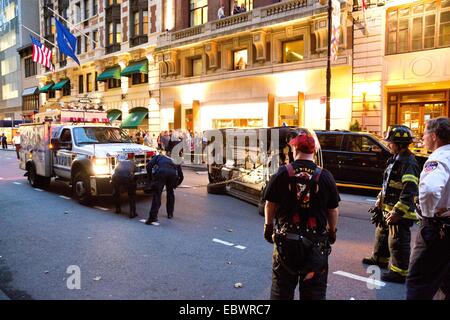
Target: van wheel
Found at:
x=82, y=188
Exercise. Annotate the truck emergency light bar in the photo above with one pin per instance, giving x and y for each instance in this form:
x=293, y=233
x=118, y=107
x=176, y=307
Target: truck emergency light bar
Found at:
x=72, y=116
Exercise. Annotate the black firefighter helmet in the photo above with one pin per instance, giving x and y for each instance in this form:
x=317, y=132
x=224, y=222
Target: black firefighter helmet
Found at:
x=399, y=134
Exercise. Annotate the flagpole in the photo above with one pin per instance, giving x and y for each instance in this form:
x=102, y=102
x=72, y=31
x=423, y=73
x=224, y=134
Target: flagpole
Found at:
x=73, y=26
x=40, y=37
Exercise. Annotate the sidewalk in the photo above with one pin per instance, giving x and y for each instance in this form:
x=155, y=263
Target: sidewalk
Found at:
x=10, y=148
x=196, y=167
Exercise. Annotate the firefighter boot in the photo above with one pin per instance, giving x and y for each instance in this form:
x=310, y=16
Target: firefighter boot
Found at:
x=392, y=276
x=372, y=261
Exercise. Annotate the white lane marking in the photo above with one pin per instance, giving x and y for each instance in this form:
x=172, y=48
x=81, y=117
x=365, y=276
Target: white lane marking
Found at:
x=223, y=242
x=64, y=197
x=142, y=220
x=356, y=277
x=1, y=178
x=201, y=172
x=16, y=182
x=101, y=208
x=371, y=200
x=184, y=186
x=37, y=189
x=240, y=247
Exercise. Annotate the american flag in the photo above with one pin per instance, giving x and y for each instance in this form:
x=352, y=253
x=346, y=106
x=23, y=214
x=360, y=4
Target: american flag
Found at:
x=42, y=54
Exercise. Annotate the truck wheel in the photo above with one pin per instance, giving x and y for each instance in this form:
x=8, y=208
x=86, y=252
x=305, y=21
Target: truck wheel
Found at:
x=82, y=188
x=44, y=182
x=32, y=176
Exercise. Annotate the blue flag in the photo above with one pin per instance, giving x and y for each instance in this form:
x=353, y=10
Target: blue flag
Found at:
x=67, y=43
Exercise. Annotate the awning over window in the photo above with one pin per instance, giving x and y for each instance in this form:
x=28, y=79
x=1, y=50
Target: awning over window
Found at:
x=60, y=85
x=113, y=114
x=111, y=73
x=134, y=119
x=135, y=67
x=46, y=88
x=30, y=91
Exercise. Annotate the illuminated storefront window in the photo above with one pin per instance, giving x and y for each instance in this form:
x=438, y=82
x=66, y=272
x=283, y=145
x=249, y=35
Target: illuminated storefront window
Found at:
x=414, y=109
x=237, y=123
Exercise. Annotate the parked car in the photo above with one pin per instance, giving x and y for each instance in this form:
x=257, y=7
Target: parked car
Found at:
x=357, y=159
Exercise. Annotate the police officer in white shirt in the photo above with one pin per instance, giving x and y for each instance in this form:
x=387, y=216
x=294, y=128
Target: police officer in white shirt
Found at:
x=430, y=260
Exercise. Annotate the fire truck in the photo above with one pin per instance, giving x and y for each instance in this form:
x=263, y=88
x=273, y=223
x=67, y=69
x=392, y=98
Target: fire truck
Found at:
x=80, y=148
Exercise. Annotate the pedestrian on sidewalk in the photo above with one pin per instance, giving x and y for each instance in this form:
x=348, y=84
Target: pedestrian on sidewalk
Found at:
x=163, y=172
x=4, y=141
x=16, y=143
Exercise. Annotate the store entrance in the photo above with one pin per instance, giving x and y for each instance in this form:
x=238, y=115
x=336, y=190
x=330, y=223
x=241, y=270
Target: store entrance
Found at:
x=415, y=115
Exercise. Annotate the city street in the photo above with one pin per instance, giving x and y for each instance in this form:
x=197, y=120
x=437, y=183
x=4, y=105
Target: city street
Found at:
x=213, y=243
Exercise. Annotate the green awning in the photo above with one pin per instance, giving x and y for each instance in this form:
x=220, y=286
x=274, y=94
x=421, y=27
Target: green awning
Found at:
x=60, y=85
x=111, y=73
x=113, y=114
x=134, y=119
x=46, y=88
x=135, y=67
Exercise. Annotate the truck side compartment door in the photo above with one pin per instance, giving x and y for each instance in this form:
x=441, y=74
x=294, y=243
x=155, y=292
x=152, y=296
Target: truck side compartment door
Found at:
x=63, y=157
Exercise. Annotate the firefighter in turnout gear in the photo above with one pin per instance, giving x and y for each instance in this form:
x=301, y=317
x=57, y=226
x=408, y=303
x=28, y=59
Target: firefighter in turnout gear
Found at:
x=396, y=201
x=303, y=200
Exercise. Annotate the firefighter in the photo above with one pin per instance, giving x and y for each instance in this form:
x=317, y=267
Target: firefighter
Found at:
x=163, y=171
x=123, y=181
x=303, y=199
x=397, y=202
x=430, y=258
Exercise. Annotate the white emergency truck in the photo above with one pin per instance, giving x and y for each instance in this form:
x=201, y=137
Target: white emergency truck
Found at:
x=80, y=148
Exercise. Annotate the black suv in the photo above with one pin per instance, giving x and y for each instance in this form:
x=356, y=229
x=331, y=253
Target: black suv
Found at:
x=356, y=159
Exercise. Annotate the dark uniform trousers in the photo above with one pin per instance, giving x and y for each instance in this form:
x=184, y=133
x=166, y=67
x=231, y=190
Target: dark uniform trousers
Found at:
x=430, y=263
x=166, y=176
x=396, y=247
x=285, y=278
x=122, y=184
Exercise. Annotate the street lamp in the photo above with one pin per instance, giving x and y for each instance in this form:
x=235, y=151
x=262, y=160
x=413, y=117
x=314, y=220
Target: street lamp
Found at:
x=328, y=92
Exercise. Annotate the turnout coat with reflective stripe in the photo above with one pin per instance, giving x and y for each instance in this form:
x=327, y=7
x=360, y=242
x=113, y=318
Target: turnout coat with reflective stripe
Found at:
x=402, y=187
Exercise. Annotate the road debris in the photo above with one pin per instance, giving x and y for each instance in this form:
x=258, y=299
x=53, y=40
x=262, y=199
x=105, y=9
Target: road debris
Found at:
x=238, y=285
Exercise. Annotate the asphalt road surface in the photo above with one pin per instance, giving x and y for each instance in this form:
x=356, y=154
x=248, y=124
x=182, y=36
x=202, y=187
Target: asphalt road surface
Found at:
x=213, y=243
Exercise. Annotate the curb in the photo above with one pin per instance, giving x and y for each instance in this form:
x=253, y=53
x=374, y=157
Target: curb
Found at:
x=197, y=167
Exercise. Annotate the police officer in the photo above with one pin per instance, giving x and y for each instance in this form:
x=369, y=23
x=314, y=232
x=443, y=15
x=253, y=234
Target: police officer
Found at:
x=163, y=172
x=396, y=200
x=430, y=259
x=303, y=199
x=123, y=181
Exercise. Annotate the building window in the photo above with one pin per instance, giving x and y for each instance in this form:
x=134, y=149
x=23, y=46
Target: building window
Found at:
x=95, y=38
x=145, y=22
x=30, y=68
x=89, y=82
x=114, y=33
x=80, y=84
x=198, y=12
x=94, y=7
x=197, y=67
x=113, y=83
x=112, y=2
x=31, y=103
x=293, y=50
x=79, y=45
x=51, y=94
x=86, y=9
x=139, y=78
x=78, y=12
x=87, y=44
x=418, y=26
x=240, y=59
x=66, y=90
